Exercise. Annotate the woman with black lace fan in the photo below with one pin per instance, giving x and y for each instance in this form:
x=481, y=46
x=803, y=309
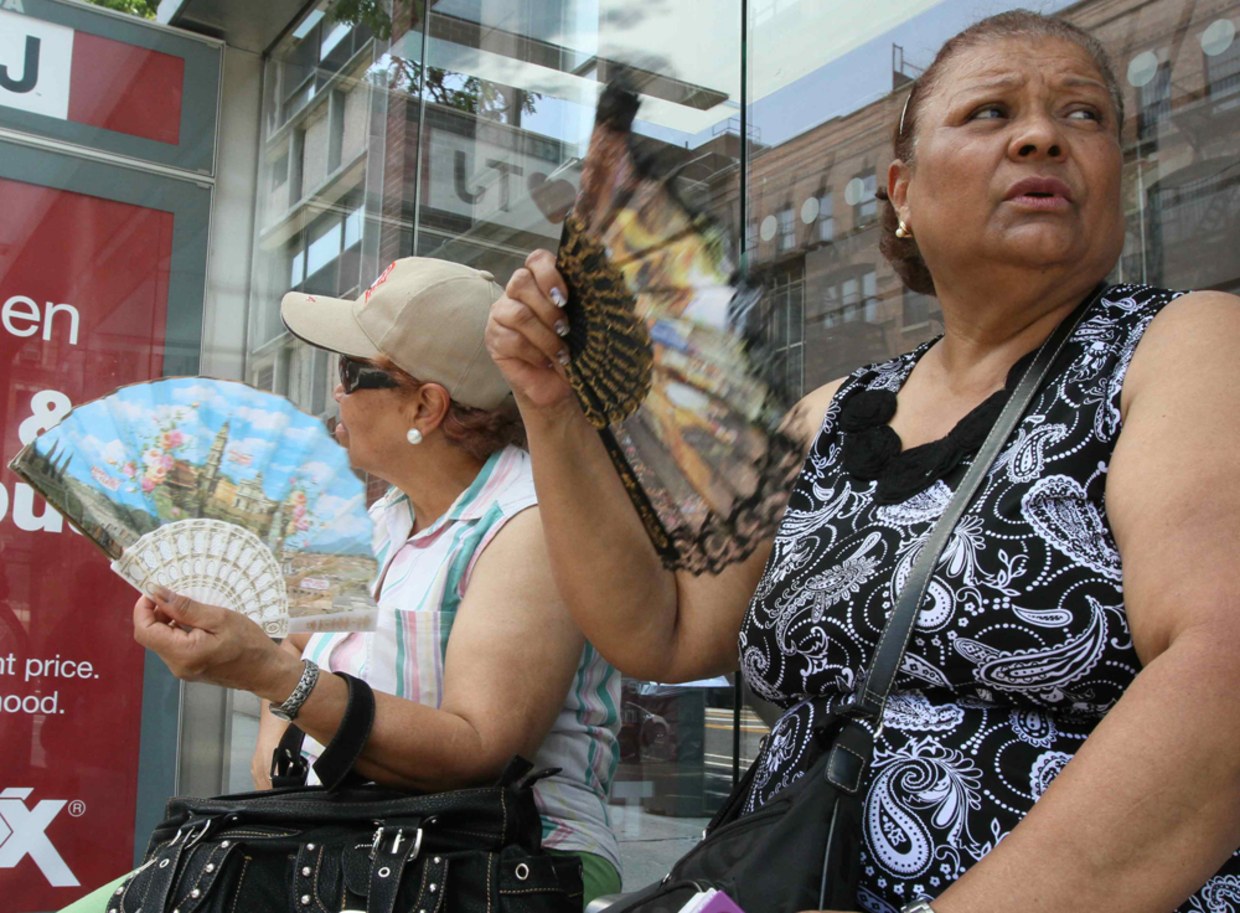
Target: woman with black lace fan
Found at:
x=1062, y=735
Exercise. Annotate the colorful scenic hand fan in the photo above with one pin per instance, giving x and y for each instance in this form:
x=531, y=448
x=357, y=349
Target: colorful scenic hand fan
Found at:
x=665, y=357
x=221, y=492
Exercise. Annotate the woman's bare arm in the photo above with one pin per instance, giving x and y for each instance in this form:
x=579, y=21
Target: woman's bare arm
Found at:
x=647, y=621
x=510, y=660
x=1149, y=807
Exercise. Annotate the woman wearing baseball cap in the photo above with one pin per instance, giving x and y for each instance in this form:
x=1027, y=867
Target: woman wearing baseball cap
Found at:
x=475, y=657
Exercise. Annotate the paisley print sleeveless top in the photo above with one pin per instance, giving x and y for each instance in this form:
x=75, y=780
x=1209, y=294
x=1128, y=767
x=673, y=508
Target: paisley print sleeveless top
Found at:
x=1023, y=643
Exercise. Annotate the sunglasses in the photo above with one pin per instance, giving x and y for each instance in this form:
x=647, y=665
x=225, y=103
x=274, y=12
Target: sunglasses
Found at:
x=358, y=375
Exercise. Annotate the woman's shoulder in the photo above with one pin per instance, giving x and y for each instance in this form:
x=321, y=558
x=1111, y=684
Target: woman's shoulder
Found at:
x=805, y=418
x=1194, y=337
x=804, y=421
x=1179, y=316
x=506, y=486
x=1138, y=300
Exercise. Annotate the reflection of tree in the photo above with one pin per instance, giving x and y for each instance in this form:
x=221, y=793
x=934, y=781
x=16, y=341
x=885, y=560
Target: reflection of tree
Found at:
x=468, y=94
x=144, y=8
x=371, y=13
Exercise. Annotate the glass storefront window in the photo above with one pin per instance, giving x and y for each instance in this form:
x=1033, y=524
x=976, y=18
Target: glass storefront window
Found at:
x=825, y=110
x=461, y=136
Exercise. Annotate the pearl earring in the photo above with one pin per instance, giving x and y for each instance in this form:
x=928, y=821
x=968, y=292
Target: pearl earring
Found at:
x=903, y=231
x=413, y=436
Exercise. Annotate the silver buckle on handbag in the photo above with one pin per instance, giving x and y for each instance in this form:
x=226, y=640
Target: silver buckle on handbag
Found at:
x=193, y=835
x=396, y=842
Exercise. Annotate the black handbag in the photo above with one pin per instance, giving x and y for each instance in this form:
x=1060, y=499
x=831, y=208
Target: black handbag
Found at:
x=801, y=850
x=349, y=847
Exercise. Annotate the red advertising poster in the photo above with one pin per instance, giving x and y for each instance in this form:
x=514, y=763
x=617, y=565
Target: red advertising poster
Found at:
x=73, y=75
x=83, y=297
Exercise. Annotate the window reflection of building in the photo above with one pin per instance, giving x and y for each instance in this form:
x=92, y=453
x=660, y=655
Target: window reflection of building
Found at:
x=1154, y=102
x=1222, y=64
x=785, y=309
x=860, y=194
x=917, y=310
x=851, y=297
x=826, y=216
x=1179, y=70
x=787, y=229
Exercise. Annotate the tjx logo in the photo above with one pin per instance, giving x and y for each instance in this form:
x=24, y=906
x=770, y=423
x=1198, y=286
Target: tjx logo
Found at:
x=23, y=832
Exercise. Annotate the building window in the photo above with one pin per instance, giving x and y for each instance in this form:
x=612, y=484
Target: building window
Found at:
x=918, y=309
x=851, y=297
x=1154, y=103
x=751, y=237
x=826, y=216
x=859, y=194
x=1223, y=77
x=785, y=327
x=316, y=255
x=787, y=229
x=318, y=48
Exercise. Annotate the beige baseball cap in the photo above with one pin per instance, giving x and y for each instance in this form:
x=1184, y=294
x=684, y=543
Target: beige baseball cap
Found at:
x=428, y=316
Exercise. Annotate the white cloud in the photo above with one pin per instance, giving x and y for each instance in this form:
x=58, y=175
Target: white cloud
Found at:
x=256, y=447
x=327, y=506
x=197, y=391
x=261, y=419
x=114, y=453
x=304, y=434
x=127, y=413
x=318, y=472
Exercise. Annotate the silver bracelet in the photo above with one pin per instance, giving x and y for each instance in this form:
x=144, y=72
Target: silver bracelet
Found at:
x=309, y=678
x=917, y=906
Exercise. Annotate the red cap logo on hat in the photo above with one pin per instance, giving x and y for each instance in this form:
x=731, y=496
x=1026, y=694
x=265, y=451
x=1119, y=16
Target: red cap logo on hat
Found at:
x=382, y=279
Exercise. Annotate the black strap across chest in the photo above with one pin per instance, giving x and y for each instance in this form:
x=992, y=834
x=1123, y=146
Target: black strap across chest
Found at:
x=888, y=656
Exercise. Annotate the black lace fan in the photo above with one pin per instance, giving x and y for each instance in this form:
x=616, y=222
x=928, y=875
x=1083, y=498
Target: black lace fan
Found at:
x=665, y=357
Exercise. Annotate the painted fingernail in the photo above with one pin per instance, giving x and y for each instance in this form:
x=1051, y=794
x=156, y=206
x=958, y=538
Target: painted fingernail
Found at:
x=562, y=357
x=557, y=297
x=561, y=328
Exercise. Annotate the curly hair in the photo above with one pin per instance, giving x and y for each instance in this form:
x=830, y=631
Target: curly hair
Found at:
x=479, y=432
x=902, y=253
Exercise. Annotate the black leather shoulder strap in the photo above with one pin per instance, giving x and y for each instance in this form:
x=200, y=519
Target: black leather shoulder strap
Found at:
x=334, y=767
x=895, y=636
x=335, y=764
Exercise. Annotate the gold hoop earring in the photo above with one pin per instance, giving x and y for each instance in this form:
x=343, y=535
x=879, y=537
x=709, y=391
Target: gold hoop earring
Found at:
x=903, y=231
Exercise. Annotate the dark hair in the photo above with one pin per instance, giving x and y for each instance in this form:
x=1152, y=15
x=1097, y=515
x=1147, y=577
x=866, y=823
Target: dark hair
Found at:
x=902, y=253
x=479, y=432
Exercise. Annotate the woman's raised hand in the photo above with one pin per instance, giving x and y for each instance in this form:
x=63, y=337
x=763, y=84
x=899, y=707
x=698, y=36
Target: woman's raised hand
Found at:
x=525, y=334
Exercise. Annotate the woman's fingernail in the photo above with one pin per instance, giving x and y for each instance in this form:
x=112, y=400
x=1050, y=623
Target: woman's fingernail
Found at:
x=562, y=357
x=561, y=328
x=162, y=593
x=557, y=297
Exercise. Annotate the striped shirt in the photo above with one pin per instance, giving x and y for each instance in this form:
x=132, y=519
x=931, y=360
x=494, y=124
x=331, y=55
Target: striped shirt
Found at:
x=422, y=580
